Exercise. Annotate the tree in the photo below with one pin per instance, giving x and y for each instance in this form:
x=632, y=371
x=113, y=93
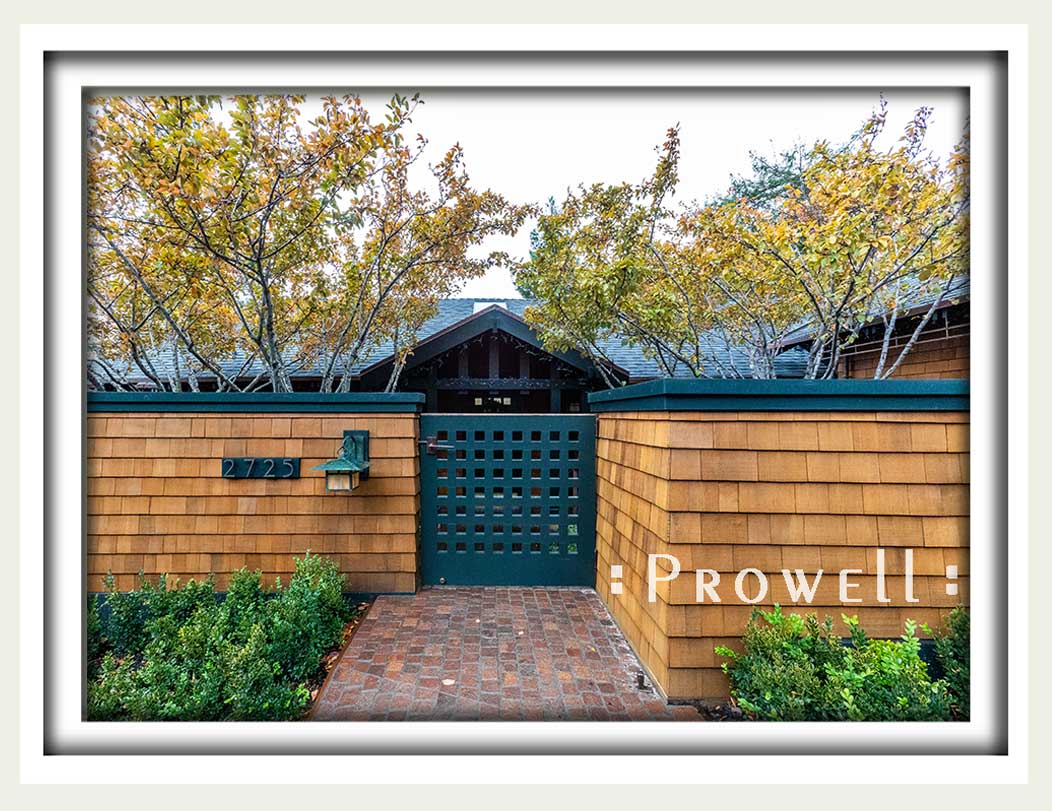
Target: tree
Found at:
x=232, y=241
x=854, y=236
x=595, y=267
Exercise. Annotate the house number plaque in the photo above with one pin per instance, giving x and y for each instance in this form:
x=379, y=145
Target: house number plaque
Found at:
x=261, y=467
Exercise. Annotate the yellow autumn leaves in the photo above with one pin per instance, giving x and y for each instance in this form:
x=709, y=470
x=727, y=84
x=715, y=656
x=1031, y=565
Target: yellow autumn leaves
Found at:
x=720, y=289
x=230, y=240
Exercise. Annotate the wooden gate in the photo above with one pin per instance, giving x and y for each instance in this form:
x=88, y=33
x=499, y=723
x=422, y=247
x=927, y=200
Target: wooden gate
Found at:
x=508, y=499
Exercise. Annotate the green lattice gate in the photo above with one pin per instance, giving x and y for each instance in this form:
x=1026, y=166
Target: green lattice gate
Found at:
x=508, y=499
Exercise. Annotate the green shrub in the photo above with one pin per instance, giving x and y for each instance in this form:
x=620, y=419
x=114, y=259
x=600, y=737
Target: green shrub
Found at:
x=307, y=617
x=94, y=638
x=128, y=615
x=255, y=688
x=953, y=654
x=245, y=602
x=171, y=653
x=113, y=685
x=888, y=681
x=166, y=599
x=796, y=669
x=125, y=619
x=181, y=676
x=779, y=674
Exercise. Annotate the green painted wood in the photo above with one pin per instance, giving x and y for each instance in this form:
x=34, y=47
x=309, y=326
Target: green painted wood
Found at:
x=509, y=501
x=785, y=395
x=256, y=402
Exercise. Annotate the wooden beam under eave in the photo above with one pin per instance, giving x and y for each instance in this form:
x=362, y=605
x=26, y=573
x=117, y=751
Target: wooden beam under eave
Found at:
x=494, y=356
x=506, y=383
x=432, y=388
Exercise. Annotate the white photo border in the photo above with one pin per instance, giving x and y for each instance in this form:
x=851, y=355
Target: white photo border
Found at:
x=67, y=749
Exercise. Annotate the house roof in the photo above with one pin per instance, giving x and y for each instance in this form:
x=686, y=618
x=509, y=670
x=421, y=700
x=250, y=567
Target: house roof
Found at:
x=457, y=313
x=917, y=300
x=453, y=312
x=484, y=317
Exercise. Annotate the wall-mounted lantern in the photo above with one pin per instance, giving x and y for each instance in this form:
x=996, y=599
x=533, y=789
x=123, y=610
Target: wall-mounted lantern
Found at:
x=351, y=466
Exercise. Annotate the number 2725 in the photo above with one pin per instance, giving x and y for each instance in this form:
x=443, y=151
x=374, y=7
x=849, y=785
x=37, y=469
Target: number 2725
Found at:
x=261, y=467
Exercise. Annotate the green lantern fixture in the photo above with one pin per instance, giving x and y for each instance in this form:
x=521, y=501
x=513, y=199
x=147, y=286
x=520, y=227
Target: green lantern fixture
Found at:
x=344, y=473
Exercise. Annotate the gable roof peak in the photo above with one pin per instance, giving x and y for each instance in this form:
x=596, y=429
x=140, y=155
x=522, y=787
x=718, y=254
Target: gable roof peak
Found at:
x=478, y=305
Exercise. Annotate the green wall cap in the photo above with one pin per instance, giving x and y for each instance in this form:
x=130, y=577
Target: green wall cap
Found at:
x=257, y=402
x=784, y=395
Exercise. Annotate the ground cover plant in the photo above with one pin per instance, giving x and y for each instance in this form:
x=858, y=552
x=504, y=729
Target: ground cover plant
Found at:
x=795, y=668
x=186, y=653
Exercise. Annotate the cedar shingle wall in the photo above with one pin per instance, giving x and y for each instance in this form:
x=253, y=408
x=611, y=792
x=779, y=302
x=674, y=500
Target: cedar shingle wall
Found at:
x=157, y=501
x=933, y=359
x=774, y=491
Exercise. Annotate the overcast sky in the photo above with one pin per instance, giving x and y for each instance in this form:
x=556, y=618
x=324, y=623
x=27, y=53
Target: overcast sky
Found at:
x=532, y=144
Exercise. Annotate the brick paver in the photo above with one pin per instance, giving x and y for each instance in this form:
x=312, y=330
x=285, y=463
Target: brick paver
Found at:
x=489, y=654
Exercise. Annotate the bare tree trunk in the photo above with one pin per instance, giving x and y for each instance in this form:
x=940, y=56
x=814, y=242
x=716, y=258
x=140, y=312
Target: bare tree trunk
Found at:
x=187, y=341
x=117, y=383
x=814, y=357
x=396, y=372
x=889, y=329
x=920, y=328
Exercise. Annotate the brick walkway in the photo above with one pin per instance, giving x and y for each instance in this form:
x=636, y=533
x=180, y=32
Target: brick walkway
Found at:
x=490, y=654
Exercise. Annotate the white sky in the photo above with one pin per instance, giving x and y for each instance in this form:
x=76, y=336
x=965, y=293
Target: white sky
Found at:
x=532, y=144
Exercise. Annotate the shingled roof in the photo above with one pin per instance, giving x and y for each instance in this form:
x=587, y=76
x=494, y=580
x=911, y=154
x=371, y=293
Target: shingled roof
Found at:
x=628, y=357
x=452, y=311
x=916, y=302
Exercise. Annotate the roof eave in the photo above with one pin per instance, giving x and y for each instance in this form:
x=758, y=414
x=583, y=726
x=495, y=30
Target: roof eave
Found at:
x=572, y=356
x=907, y=314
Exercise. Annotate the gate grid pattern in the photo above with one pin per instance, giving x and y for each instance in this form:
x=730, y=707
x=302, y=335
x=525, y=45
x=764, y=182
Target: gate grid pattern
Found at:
x=508, y=499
